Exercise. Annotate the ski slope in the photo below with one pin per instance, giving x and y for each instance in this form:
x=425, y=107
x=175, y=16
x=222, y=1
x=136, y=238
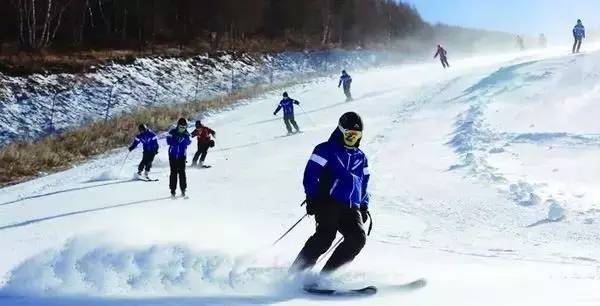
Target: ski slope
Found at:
x=484, y=182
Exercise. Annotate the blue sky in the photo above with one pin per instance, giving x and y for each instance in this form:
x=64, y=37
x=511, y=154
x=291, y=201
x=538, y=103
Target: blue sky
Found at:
x=553, y=17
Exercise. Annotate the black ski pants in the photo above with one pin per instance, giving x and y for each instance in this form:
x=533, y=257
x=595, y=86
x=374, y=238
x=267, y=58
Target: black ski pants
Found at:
x=177, y=171
x=289, y=120
x=332, y=217
x=347, y=92
x=577, y=44
x=444, y=61
x=202, y=152
x=146, y=163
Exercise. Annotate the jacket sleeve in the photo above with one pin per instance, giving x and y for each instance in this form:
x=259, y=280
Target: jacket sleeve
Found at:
x=365, y=183
x=313, y=171
x=436, y=53
x=340, y=82
x=212, y=132
x=296, y=102
x=155, y=142
x=135, y=143
x=170, y=139
x=195, y=133
x=277, y=109
x=583, y=31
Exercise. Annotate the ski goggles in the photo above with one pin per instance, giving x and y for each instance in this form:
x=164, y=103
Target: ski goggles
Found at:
x=350, y=136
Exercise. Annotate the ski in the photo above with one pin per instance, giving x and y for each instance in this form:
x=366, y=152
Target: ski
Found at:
x=147, y=180
x=368, y=290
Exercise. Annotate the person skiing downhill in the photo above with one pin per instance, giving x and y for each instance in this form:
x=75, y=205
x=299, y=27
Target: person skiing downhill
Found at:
x=335, y=182
x=287, y=104
x=203, y=134
x=442, y=54
x=149, y=143
x=346, y=80
x=178, y=140
x=578, y=35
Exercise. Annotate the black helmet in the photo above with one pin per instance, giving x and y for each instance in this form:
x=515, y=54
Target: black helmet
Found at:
x=198, y=123
x=182, y=121
x=578, y=20
x=142, y=127
x=285, y=94
x=351, y=121
x=343, y=71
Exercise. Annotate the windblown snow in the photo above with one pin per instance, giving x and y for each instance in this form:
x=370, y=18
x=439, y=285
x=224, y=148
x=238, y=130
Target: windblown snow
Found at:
x=484, y=182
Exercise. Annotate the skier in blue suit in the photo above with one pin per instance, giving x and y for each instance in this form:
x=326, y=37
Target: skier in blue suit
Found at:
x=287, y=104
x=346, y=81
x=149, y=142
x=178, y=140
x=578, y=35
x=335, y=183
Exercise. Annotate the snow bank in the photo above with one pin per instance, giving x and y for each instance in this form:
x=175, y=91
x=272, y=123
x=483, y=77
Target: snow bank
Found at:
x=34, y=106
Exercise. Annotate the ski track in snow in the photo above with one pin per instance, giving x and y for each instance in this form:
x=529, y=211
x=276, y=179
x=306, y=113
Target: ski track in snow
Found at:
x=477, y=186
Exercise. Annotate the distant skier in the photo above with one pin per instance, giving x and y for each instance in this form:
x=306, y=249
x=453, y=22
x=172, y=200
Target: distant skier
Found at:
x=578, y=35
x=287, y=104
x=443, y=56
x=520, y=43
x=203, y=134
x=335, y=183
x=346, y=81
x=178, y=140
x=543, y=41
x=149, y=143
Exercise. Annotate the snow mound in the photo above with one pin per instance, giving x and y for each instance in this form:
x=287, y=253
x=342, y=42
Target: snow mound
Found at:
x=107, y=175
x=555, y=211
x=524, y=194
x=84, y=268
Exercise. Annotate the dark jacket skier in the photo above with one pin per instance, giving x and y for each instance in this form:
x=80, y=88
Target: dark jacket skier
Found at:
x=335, y=183
x=578, y=35
x=346, y=81
x=442, y=53
x=178, y=140
x=287, y=104
x=149, y=142
x=203, y=134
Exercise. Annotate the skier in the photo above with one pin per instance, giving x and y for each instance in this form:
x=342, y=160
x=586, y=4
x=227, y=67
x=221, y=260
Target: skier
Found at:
x=520, y=43
x=150, y=144
x=287, y=104
x=578, y=35
x=443, y=58
x=335, y=183
x=178, y=141
x=203, y=134
x=543, y=41
x=346, y=80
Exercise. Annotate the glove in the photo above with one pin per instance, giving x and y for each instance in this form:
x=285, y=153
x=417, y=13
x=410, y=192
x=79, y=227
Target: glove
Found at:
x=311, y=206
x=130, y=149
x=274, y=114
x=364, y=213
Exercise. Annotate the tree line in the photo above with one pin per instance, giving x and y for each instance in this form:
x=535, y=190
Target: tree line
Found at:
x=36, y=25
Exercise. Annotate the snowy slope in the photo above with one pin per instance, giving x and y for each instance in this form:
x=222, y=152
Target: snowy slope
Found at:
x=483, y=181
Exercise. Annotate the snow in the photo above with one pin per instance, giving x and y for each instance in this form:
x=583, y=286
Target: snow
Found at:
x=484, y=182
x=34, y=106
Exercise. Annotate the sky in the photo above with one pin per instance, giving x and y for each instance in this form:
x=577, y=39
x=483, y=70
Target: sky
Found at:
x=555, y=18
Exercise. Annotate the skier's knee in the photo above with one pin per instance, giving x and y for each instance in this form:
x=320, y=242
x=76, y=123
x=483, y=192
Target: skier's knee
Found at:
x=357, y=241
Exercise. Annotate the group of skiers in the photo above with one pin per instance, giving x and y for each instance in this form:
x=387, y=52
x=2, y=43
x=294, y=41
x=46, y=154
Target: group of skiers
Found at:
x=178, y=140
x=578, y=36
x=335, y=178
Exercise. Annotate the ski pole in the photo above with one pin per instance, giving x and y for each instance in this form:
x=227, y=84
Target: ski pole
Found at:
x=292, y=227
x=123, y=163
x=221, y=149
x=307, y=116
x=330, y=250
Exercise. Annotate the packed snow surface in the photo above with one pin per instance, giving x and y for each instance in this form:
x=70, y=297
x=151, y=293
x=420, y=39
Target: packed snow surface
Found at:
x=484, y=182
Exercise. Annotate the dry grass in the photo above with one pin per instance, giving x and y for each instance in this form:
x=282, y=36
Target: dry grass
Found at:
x=23, y=161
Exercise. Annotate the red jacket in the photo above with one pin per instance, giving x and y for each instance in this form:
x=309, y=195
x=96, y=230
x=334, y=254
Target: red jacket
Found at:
x=203, y=133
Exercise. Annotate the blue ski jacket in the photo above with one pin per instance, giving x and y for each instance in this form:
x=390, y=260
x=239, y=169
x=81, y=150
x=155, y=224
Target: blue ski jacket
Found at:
x=178, y=143
x=148, y=140
x=579, y=31
x=337, y=172
x=345, y=79
x=288, y=106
